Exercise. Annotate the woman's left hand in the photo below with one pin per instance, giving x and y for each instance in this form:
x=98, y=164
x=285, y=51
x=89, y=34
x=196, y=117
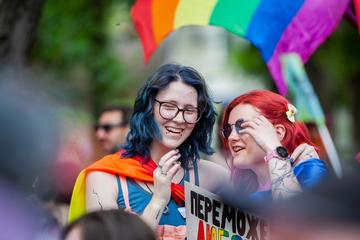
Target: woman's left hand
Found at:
x=304, y=152
x=263, y=132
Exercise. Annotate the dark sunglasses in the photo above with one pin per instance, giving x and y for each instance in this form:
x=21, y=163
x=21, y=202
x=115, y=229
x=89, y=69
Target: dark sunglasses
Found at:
x=226, y=131
x=106, y=127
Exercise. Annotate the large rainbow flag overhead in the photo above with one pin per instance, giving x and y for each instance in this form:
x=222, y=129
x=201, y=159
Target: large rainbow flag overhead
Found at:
x=273, y=26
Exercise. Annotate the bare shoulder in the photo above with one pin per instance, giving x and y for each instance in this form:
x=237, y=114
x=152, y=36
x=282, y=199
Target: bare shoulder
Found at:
x=212, y=175
x=100, y=176
x=101, y=180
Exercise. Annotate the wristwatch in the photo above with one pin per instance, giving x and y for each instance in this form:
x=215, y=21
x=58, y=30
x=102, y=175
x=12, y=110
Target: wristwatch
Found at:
x=279, y=152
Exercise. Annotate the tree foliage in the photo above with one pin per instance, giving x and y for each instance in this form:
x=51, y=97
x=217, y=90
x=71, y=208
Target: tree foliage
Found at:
x=75, y=36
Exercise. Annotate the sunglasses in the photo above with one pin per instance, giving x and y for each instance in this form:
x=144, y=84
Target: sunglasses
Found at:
x=228, y=128
x=106, y=127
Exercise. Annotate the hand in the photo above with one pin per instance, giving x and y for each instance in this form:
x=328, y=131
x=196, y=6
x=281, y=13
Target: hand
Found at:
x=263, y=132
x=167, y=168
x=303, y=152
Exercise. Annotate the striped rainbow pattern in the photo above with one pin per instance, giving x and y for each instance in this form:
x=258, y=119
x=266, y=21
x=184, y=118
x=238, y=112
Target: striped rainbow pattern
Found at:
x=273, y=26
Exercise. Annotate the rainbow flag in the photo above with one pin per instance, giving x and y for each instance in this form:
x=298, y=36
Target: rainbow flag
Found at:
x=357, y=11
x=273, y=26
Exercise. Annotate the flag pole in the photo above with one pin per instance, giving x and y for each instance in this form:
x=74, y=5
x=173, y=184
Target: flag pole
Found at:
x=330, y=149
x=308, y=104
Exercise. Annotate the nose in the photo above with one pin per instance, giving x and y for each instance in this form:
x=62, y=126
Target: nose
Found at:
x=100, y=133
x=179, y=117
x=233, y=135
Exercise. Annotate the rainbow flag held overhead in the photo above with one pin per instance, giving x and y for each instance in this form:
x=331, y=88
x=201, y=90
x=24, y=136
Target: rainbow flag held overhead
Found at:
x=273, y=26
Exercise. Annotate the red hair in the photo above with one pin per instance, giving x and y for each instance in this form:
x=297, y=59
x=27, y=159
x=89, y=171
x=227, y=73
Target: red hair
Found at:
x=274, y=107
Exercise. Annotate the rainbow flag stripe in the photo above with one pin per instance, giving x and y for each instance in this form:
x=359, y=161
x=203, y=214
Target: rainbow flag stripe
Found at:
x=273, y=26
x=357, y=11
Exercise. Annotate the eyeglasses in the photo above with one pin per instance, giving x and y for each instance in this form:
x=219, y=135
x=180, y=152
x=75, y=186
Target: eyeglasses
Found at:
x=228, y=128
x=106, y=127
x=169, y=111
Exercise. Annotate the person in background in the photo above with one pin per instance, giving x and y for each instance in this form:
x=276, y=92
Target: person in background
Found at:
x=108, y=225
x=112, y=127
x=271, y=153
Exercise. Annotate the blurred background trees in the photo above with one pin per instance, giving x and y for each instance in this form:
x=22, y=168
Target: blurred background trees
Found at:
x=18, y=24
x=89, y=51
x=74, y=41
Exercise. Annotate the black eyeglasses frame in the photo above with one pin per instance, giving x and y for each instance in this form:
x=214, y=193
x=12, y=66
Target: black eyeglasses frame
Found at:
x=178, y=110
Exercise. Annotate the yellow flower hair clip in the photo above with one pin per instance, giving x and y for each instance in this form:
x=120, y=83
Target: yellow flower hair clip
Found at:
x=291, y=112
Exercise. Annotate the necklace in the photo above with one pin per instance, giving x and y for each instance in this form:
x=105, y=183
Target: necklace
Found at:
x=166, y=209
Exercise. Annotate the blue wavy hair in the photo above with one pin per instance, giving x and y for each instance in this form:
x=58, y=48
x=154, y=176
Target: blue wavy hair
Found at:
x=144, y=128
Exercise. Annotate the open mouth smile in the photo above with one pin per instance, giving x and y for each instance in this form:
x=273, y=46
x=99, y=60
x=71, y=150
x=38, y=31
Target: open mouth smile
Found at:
x=237, y=149
x=174, y=130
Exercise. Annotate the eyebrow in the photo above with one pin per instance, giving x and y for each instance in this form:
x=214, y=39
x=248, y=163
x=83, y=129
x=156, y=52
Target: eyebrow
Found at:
x=177, y=104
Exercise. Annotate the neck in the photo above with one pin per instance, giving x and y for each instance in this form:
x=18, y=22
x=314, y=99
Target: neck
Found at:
x=263, y=176
x=157, y=150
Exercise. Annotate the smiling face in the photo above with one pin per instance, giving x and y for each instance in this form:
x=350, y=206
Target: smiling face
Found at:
x=245, y=152
x=175, y=131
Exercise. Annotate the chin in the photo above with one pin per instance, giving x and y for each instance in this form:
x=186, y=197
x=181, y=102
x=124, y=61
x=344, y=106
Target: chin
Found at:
x=241, y=162
x=171, y=144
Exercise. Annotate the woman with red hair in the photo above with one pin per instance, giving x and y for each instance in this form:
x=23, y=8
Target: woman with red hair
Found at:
x=270, y=152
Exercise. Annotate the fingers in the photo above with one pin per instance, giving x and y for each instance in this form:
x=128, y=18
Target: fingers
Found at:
x=249, y=127
x=170, y=163
x=167, y=156
x=248, y=124
x=298, y=151
x=173, y=170
x=310, y=152
x=248, y=130
x=304, y=152
x=256, y=122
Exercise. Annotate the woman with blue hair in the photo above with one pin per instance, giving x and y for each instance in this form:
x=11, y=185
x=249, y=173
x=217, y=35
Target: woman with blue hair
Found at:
x=172, y=123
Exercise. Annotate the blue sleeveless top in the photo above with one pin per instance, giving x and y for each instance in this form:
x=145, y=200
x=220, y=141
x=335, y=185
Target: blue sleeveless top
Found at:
x=309, y=173
x=139, y=199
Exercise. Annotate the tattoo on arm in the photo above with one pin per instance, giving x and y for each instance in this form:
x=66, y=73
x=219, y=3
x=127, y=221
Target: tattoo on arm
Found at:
x=284, y=182
x=157, y=215
x=98, y=199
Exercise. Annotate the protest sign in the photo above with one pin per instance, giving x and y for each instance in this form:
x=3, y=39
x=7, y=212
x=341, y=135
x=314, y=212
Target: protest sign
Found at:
x=208, y=218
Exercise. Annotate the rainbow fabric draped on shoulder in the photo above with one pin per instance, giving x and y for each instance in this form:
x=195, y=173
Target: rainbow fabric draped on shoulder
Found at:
x=274, y=27
x=135, y=168
x=114, y=164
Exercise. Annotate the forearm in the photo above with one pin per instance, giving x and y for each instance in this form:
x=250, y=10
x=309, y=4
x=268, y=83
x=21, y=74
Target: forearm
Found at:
x=284, y=181
x=153, y=212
